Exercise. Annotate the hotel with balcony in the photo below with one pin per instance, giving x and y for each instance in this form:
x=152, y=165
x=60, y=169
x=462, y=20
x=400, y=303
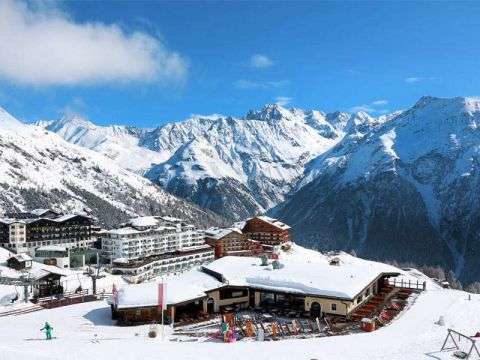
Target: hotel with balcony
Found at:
x=150, y=246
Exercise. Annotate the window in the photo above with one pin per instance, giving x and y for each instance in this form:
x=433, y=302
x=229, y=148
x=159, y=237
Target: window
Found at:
x=334, y=307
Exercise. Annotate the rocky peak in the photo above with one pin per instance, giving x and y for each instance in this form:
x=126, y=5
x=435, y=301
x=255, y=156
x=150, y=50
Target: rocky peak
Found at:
x=269, y=112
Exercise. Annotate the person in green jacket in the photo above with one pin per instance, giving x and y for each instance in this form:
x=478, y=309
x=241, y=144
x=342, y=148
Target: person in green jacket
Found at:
x=48, y=330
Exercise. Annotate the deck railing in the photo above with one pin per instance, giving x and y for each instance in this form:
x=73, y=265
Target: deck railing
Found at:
x=407, y=284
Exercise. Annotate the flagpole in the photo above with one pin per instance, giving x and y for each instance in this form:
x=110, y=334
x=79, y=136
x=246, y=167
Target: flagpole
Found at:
x=163, y=301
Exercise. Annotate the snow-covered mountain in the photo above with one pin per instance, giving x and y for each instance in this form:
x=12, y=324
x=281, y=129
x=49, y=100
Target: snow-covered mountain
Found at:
x=120, y=143
x=40, y=169
x=236, y=167
x=405, y=189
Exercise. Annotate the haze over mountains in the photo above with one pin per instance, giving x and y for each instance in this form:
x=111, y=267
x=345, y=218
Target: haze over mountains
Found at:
x=401, y=186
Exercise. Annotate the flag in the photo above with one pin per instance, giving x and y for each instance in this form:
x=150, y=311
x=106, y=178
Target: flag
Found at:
x=161, y=297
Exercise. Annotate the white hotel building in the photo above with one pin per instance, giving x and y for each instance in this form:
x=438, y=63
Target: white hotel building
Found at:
x=149, y=246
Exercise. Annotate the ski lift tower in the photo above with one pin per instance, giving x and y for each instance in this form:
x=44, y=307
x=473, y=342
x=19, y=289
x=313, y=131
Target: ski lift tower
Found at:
x=25, y=281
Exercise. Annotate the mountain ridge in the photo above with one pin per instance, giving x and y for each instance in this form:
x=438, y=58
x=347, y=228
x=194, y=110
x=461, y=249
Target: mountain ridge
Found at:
x=406, y=188
x=262, y=153
x=41, y=169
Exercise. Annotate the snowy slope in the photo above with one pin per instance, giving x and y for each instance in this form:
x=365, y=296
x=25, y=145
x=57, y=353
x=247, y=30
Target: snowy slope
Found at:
x=407, y=189
x=87, y=331
x=40, y=169
x=234, y=166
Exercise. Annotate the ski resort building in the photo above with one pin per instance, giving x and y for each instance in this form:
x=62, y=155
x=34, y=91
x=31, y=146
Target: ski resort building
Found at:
x=24, y=232
x=19, y=262
x=231, y=241
x=149, y=246
x=53, y=255
x=310, y=288
x=266, y=230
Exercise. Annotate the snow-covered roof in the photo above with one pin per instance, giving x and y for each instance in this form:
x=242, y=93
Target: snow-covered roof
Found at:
x=121, y=261
x=187, y=286
x=144, y=221
x=302, y=275
x=22, y=257
x=40, y=212
x=218, y=233
x=196, y=247
x=52, y=248
x=274, y=222
x=239, y=225
x=65, y=217
x=123, y=231
x=62, y=218
x=127, y=230
x=171, y=219
x=41, y=273
x=9, y=221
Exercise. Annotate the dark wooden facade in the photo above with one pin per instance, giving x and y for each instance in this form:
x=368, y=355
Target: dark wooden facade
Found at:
x=48, y=285
x=77, y=228
x=4, y=233
x=231, y=244
x=18, y=263
x=265, y=233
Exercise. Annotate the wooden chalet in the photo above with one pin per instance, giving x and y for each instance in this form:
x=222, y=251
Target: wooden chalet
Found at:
x=19, y=262
x=231, y=242
x=267, y=231
x=47, y=283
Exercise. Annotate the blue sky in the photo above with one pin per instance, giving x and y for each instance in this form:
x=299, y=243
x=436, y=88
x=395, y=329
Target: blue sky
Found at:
x=226, y=57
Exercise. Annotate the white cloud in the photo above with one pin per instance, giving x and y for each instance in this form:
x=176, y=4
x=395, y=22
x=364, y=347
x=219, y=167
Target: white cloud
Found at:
x=255, y=85
x=363, y=108
x=283, y=100
x=260, y=61
x=417, y=79
x=372, y=107
x=42, y=46
x=379, y=102
x=412, y=80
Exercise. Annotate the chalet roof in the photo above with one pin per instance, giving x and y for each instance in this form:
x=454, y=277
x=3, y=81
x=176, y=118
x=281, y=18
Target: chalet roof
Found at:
x=21, y=257
x=184, y=287
x=218, y=233
x=273, y=222
x=41, y=273
x=28, y=220
x=300, y=276
x=41, y=212
x=239, y=225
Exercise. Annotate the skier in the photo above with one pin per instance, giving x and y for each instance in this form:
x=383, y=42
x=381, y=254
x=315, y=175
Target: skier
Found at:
x=48, y=330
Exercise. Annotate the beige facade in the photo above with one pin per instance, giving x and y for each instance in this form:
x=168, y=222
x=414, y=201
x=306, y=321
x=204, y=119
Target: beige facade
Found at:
x=341, y=307
x=218, y=302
